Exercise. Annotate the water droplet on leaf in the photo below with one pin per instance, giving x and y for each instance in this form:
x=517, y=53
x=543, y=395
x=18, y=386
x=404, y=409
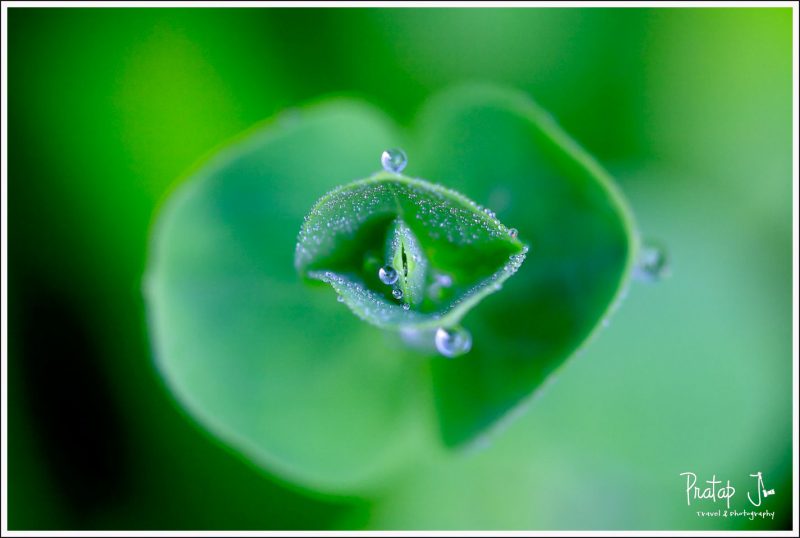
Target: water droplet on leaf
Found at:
x=388, y=275
x=513, y=233
x=394, y=160
x=406, y=307
x=340, y=298
x=653, y=263
x=397, y=293
x=453, y=342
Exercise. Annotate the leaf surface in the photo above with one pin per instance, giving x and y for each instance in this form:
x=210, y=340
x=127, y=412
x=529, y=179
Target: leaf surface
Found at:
x=275, y=368
x=502, y=149
x=287, y=375
x=444, y=251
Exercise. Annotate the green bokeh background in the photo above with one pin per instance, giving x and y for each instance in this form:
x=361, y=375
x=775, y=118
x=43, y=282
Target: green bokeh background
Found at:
x=690, y=109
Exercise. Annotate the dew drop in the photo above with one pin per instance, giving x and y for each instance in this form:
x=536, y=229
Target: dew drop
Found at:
x=406, y=307
x=340, y=298
x=388, y=275
x=453, y=342
x=443, y=280
x=653, y=263
x=394, y=160
x=513, y=233
x=397, y=293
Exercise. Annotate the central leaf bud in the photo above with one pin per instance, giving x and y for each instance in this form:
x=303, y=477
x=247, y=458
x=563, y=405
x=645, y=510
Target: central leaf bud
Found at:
x=410, y=263
x=405, y=253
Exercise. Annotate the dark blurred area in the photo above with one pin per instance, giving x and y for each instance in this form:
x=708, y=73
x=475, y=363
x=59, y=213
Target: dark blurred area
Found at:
x=79, y=426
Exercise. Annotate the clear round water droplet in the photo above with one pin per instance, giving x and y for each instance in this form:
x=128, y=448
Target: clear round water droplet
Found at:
x=452, y=342
x=394, y=160
x=340, y=298
x=653, y=263
x=388, y=275
x=397, y=293
x=406, y=307
x=513, y=232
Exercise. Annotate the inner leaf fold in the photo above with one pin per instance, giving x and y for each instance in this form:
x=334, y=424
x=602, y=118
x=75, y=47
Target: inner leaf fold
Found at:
x=446, y=251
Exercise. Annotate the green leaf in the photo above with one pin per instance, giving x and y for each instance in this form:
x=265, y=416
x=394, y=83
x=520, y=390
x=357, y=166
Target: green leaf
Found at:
x=409, y=262
x=279, y=371
x=426, y=235
x=285, y=374
x=504, y=150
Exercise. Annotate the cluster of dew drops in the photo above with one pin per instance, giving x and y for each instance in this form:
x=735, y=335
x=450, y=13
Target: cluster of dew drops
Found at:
x=652, y=266
x=449, y=341
x=389, y=276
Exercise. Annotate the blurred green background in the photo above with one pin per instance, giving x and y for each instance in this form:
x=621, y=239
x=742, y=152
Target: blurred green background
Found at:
x=689, y=108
